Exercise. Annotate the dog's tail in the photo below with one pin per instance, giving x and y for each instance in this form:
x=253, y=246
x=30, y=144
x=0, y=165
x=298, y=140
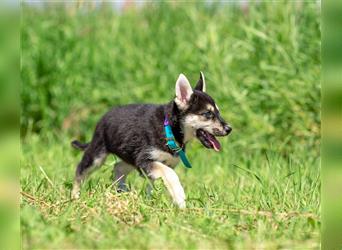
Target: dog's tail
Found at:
x=79, y=145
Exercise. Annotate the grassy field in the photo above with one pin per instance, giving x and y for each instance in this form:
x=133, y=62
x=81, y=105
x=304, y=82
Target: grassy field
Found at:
x=263, y=69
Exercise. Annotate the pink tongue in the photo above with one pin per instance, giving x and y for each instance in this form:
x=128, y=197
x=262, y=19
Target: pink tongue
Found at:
x=215, y=144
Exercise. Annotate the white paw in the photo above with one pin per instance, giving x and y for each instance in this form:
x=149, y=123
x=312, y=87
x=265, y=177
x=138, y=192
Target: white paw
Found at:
x=181, y=204
x=180, y=200
x=75, y=194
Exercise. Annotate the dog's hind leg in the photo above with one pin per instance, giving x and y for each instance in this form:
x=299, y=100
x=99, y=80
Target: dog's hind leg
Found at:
x=121, y=171
x=171, y=181
x=93, y=158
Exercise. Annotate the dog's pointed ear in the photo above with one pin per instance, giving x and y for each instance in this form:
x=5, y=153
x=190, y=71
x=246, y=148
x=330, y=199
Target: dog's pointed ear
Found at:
x=201, y=83
x=183, y=92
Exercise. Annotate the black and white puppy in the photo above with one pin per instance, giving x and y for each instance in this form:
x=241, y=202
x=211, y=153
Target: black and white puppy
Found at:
x=135, y=133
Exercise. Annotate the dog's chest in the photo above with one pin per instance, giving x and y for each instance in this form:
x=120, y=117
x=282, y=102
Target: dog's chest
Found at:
x=164, y=157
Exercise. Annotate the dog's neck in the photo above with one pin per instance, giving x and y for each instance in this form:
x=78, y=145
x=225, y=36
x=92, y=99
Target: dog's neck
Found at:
x=174, y=116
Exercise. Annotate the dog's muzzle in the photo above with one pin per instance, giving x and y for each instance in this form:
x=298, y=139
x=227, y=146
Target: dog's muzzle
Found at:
x=209, y=140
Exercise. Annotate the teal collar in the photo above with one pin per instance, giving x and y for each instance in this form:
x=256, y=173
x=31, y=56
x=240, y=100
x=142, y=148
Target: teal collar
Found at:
x=171, y=143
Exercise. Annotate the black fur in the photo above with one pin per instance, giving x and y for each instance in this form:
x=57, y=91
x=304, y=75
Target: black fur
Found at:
x=79, y=145
x=130, y=131
x=200, y=83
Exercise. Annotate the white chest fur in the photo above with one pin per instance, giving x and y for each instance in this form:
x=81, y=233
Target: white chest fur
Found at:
x=164, y=157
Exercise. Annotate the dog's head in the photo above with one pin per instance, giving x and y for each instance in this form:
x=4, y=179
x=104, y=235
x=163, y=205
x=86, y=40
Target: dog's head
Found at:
x=199, y=115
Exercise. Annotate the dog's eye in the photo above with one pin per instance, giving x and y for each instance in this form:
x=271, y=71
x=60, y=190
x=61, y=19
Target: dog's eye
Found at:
x=208, y=115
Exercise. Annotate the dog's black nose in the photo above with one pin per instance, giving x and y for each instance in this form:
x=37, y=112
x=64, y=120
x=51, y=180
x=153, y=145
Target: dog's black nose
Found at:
x=227, y=129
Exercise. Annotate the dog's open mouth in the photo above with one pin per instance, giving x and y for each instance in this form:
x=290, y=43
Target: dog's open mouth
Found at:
x=208, y=140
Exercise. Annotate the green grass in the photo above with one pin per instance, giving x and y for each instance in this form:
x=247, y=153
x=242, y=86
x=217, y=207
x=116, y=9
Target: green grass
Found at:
x=262, y=68
x=245, y=200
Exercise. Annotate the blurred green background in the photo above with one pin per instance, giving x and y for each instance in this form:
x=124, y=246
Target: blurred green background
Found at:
x=262, y=66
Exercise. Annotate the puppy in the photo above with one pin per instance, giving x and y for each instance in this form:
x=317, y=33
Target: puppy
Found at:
x=136, y=133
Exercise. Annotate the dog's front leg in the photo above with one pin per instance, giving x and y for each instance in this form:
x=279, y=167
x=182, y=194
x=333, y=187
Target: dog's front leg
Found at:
x=171, y=181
